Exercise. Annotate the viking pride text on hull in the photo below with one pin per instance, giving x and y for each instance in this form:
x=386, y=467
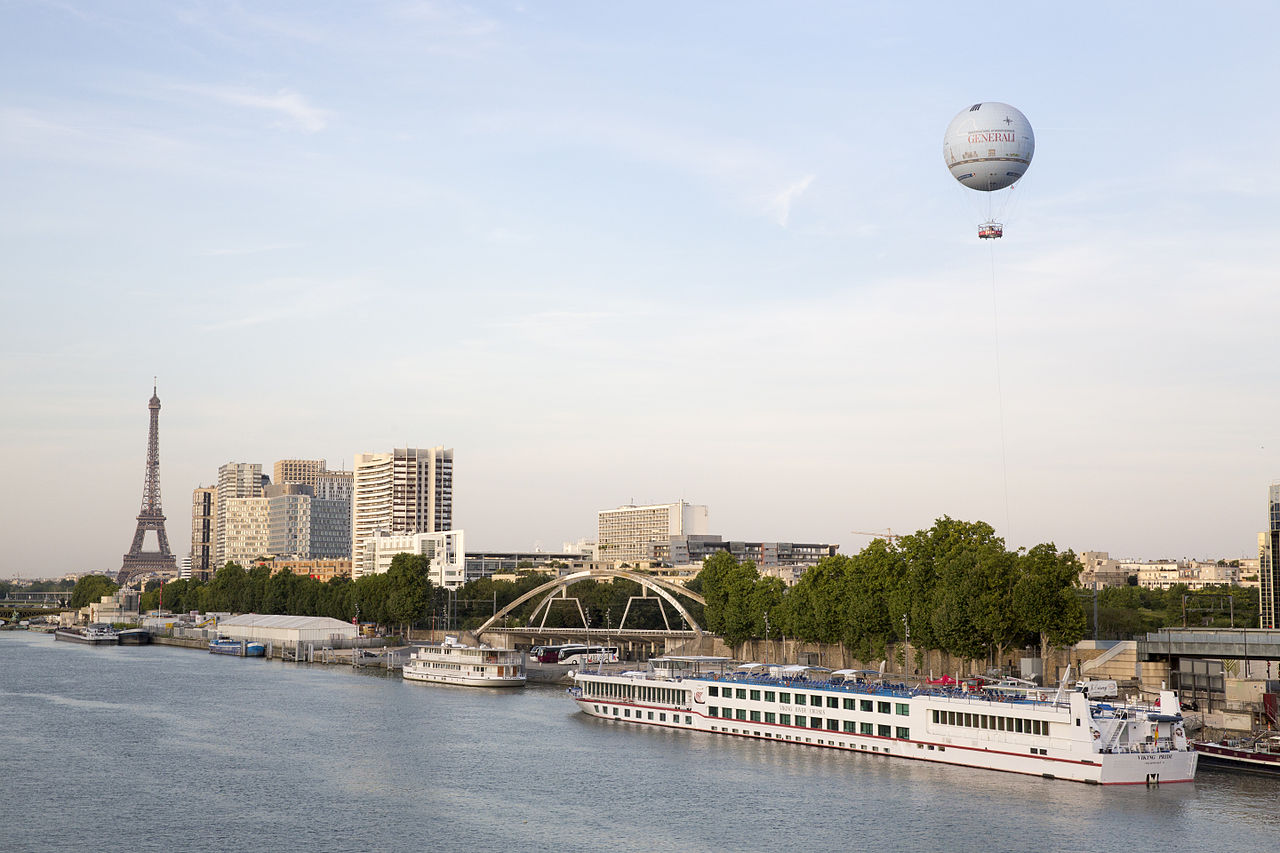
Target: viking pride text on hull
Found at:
x=993, y=136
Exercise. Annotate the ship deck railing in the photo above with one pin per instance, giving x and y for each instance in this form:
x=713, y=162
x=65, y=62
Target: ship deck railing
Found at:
x=895, y=690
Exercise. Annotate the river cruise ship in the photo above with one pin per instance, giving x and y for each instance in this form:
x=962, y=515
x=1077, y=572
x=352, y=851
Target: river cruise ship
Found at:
x=451, y=662
x=1015, y=728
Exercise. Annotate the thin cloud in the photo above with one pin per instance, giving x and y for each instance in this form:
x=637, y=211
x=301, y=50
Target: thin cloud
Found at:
x=286, y=103
x=780, y=203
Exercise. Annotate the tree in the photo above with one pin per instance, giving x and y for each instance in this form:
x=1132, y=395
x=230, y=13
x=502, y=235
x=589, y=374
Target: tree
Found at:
x=408, y=589
x=1045, y=598
x=90, y=589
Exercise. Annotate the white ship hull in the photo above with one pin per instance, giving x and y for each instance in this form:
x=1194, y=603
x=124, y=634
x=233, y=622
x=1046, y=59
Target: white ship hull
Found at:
x=1058, y=741
x=465, y=666
x=463, y=680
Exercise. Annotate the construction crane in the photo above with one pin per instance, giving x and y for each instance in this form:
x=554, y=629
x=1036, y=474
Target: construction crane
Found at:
x=887, y=534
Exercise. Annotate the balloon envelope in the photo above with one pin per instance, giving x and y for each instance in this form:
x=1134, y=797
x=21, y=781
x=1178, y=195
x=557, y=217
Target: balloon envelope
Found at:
x=988, y=146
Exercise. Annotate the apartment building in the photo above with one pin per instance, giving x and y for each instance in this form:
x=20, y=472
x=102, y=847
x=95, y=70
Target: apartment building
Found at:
x=625, y=534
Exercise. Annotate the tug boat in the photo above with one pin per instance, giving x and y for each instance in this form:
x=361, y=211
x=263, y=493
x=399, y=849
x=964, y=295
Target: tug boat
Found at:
x=1013, y=727
x=452, y=662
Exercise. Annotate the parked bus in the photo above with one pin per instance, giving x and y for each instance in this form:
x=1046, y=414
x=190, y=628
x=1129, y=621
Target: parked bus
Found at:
x=550, y=654
x=582, y=655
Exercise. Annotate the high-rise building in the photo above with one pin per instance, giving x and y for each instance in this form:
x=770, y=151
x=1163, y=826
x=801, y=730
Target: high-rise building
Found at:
x=624, y=534
x=246, y=528
x=304, y=471
x=1269, y=548
x=334, y=485
x=235, y=480
x=306, y=527
x=408, y=490
x=204, y=512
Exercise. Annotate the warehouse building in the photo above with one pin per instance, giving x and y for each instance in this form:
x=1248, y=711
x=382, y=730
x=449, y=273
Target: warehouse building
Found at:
x=288, y=630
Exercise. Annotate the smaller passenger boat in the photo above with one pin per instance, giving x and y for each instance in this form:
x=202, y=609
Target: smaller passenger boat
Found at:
x=237, y=648
x=1257, y=754
x=97, y=634
x=452, y=662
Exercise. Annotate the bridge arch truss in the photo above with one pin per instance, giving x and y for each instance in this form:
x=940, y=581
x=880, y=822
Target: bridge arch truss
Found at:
x=661, y=587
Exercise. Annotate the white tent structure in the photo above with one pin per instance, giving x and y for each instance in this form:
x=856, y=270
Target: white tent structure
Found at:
x=287, y=630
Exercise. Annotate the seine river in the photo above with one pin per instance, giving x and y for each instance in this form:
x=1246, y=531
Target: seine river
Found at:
x=160, y=748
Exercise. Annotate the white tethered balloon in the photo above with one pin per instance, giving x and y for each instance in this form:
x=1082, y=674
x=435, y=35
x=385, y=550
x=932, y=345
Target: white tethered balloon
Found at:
x=988, y=147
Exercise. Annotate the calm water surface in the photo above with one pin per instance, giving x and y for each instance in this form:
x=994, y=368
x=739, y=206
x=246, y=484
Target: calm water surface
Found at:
x=159, y=748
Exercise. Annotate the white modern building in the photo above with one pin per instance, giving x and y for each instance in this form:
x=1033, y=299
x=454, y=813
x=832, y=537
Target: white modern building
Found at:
x=246, y=530
x=446, y=550
x=235, y=480
x=625, y=534
x=408, y=490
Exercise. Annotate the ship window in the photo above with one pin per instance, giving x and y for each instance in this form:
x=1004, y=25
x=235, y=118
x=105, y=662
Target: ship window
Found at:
x=850, y=705
x=1026, y=727
x=833, y=702
x=784, y=719
x=935, y=715
x=755, y=695
x=769, y=696
x=755, y=716
x=713, y=711
x=1000, y=723
x=866, y=705
x=713, y=690
x=903, y=708
x=865, y=729
x=883, y=731
x=800, y=720
x=833, y=725
x=740, y=714
x=1044, y=729
x=688, y=721
x=770, y=717
x=662, y=718
x=727, y=713
x=883, y=708
x=742, y=694
x=784, y=698
x=1017, y=725
x=850, y=727
x=626, y=712
x=904, y=734
x=615, y=712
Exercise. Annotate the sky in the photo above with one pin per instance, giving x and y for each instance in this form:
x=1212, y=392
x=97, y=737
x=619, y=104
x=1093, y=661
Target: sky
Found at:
x=621, y=253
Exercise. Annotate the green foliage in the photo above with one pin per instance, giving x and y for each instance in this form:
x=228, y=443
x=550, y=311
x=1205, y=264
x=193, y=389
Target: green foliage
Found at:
x=91, y=588
x=1045, y=599
x=953, y=587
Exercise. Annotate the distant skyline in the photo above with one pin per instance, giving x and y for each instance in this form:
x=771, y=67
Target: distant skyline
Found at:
x=652, y=252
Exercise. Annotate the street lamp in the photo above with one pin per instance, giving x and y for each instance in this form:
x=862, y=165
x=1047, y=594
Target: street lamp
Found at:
x=766, y=638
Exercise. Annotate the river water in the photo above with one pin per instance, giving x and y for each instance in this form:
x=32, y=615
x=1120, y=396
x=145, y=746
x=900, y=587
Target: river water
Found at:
x=161, y=748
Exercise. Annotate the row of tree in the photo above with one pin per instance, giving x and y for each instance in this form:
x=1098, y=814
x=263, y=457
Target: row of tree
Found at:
x=402, y=596
x=953, y=587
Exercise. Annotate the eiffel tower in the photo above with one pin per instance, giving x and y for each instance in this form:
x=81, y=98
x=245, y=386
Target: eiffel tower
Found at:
x=137, y=561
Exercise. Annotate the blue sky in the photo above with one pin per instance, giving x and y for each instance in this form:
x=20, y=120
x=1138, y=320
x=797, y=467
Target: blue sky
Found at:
x=645, y=251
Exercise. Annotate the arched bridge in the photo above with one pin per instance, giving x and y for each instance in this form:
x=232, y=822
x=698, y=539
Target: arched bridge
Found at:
x=665, y=589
